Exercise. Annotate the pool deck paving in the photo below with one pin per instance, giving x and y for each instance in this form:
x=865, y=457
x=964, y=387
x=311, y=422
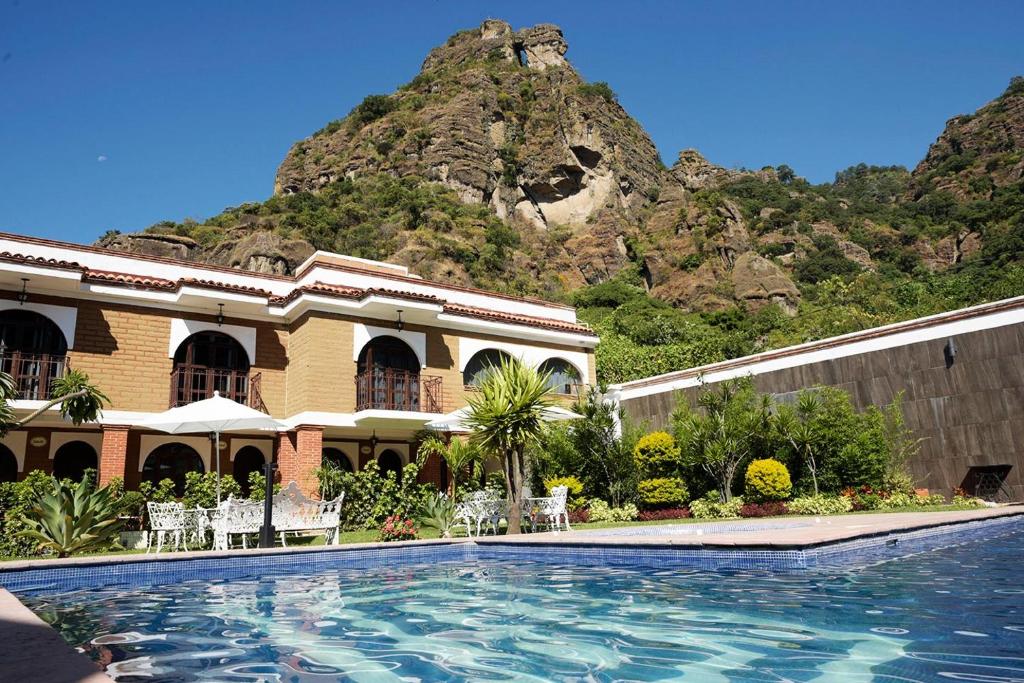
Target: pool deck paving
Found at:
x=33, y=651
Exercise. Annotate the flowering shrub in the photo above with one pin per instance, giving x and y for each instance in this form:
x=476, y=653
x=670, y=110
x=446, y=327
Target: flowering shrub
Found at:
x=397, y=529
x=581, y=516
x=664, y=513
x=662, y=492
x=767, y=480
x=933, y=499
x=820, y=505
x=711, y=507
x=600, y=512
x=769, y=509
x=657, y=454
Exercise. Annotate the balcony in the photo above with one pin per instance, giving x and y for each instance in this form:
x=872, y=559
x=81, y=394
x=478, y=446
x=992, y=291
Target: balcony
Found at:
x=387, y=389
x=33, y=373
x=191, y=383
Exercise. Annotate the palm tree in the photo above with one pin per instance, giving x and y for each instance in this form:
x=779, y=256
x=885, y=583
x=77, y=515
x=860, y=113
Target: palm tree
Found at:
x=506, y=416
x=461, y=457
x=80, y=400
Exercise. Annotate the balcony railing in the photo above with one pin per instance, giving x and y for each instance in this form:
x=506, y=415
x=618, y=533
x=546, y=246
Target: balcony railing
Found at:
x=191, y=383
x=387, y=389
x=33, y=373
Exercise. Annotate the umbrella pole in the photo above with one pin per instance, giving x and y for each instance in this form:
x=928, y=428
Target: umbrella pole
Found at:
x=216, y=454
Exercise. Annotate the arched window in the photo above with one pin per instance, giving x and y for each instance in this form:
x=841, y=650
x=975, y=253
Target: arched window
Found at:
x=336, y=457
x=388, y=353
x=481, y=365
x=389, y=461
x=564, y=377
x=248, y=459
x=32, y=351
x=389, y=376
x=72, y=460
x=172, y=461
x=207, y=362
x=8, y=465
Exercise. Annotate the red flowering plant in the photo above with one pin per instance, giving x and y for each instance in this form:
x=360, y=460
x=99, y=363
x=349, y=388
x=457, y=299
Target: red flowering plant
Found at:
x=664, y=513
x=397, y=529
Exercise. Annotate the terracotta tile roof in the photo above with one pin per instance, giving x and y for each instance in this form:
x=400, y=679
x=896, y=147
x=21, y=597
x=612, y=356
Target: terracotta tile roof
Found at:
x=349, y=293
x=140, y=281
x=412, y=296
x=515, y=319
x=226, y=286
x=12, y=257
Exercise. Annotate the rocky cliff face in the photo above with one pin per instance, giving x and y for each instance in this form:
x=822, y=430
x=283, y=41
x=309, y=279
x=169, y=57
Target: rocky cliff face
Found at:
x=979, y=152
x=499, y=166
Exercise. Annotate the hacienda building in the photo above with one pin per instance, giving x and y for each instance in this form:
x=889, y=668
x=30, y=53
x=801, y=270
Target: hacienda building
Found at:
x=355, y=356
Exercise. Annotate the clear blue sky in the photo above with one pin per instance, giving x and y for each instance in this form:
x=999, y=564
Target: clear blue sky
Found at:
x=120, y=114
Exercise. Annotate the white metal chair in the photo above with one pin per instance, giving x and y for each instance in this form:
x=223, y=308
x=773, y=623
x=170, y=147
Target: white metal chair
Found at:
x=294, y=513
x=164, y=519
x=236, y=517
x=551, y=511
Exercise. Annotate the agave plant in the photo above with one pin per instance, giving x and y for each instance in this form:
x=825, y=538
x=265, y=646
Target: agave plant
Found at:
x=70, y=519
x=437, y=512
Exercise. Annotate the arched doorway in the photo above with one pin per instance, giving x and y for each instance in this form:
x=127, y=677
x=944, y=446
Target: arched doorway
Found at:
x=207, y=362
x=248, y=459
x=336, y=457
x=172, y=461
x=481, y=365
x=72, y=460
x=389, y=376
x=390, y=461
x=8, y=465
x=564, y=378
x=33, y=351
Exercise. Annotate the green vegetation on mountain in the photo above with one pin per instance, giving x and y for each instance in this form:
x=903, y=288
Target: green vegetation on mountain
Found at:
x=499, y=166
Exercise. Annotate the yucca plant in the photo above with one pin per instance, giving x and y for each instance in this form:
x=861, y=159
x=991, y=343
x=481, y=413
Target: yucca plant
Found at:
x=506, y=416
x=71, y=519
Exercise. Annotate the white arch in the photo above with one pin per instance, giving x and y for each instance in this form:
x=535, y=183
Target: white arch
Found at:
x=348, y=449
x=363, y=334
x=182, y=329
x=531, y=355
x=16, y=442
x=150, y=442
x=264, y=446
x=64, y=317
x=58, y=439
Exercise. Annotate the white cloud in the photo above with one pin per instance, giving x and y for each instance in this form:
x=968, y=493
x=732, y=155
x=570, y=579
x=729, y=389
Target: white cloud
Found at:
x=101, y=158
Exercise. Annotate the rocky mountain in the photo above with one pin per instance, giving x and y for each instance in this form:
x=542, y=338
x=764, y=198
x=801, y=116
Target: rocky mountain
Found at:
x=499, y=166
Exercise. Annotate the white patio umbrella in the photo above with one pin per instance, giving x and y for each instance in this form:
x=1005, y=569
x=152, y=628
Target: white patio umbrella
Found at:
x=214, y=415
x=455, y=421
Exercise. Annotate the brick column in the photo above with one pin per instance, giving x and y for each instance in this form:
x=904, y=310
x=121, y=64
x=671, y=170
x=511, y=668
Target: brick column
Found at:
x=298, y=454
x=113, y=453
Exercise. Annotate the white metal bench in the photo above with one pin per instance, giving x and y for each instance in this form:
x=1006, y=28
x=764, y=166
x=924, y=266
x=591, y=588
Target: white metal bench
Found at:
x=296, y=514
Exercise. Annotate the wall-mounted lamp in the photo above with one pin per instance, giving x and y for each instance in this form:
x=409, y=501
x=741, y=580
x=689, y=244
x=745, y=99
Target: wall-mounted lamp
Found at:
x=220, y=315
x=950, y=352
x=400, y=323
x=373, y=441
x=23, y=294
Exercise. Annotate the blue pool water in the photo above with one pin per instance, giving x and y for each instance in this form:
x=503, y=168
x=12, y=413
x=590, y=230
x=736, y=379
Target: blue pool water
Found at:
x=954, y=613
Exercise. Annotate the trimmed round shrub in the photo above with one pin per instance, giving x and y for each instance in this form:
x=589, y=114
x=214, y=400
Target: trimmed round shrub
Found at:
x=663, y=492
x=657, y=454
x=767, y=480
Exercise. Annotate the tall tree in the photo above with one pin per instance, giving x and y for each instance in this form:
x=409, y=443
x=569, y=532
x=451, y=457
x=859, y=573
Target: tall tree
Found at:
x=506, y=416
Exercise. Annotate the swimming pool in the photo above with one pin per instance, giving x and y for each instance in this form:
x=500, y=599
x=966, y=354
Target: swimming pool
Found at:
x=953, y=613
